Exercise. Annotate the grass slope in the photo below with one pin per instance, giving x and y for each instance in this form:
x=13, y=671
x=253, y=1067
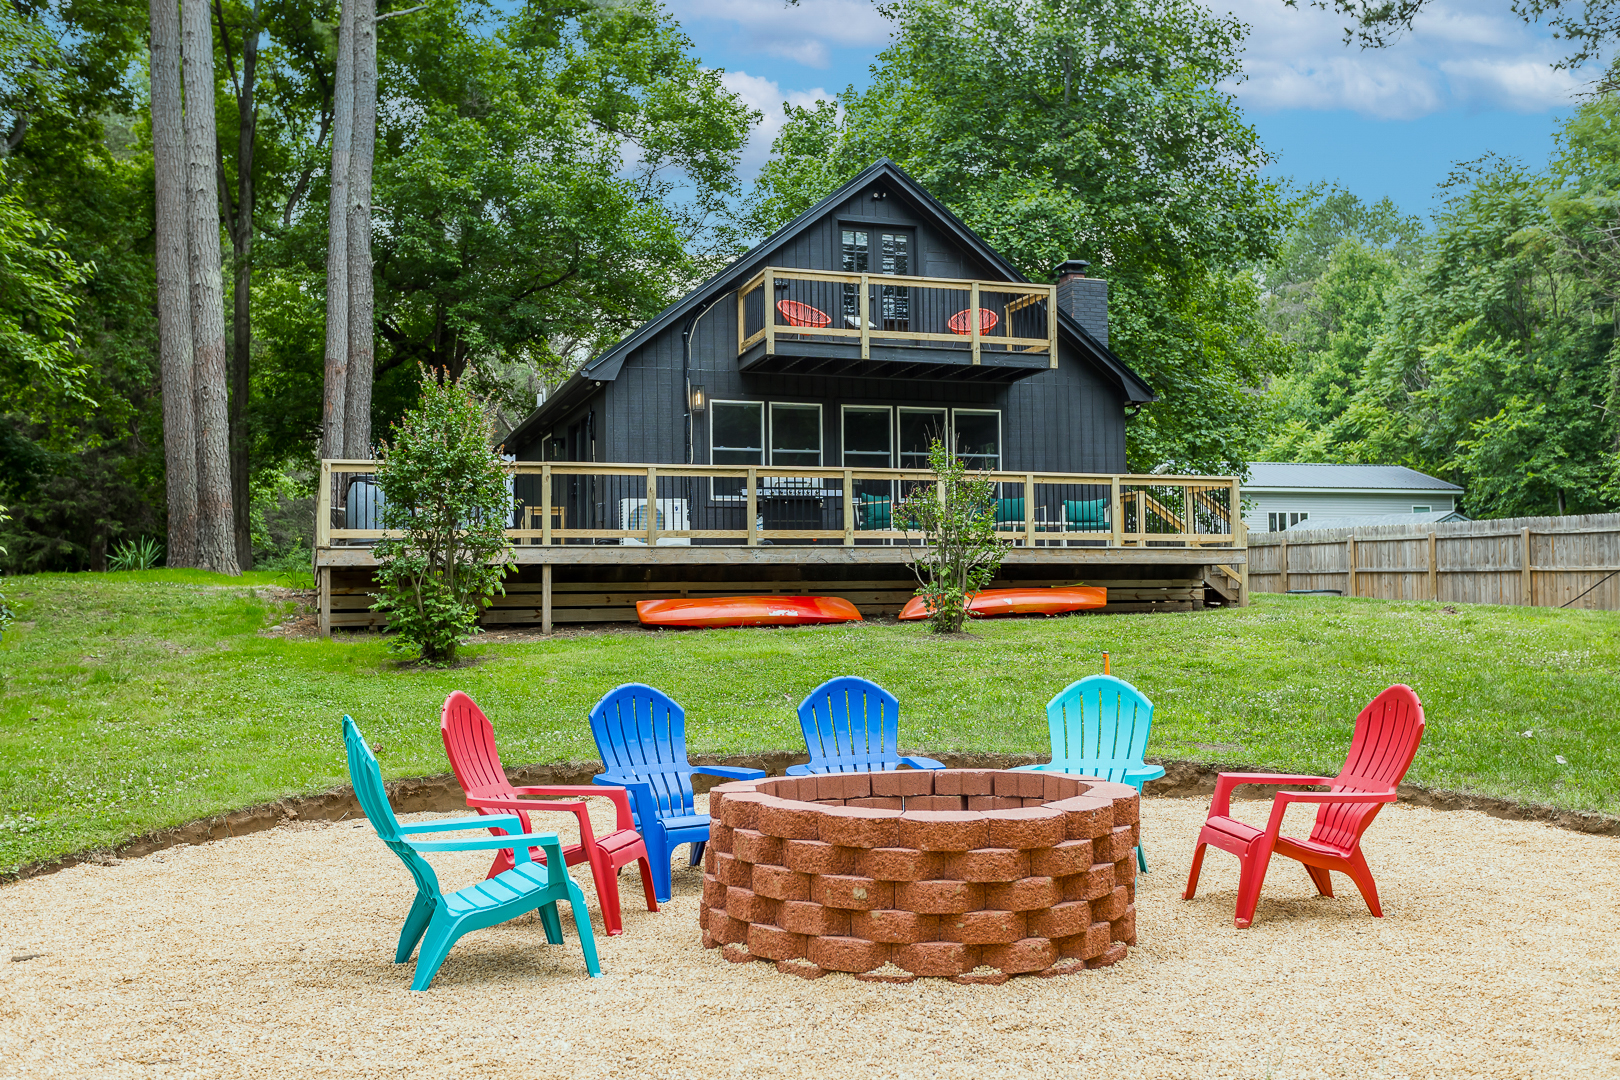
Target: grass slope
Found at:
x=134, y=701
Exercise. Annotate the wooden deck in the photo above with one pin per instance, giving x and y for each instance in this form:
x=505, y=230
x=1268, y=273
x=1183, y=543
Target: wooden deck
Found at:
x=587, y=550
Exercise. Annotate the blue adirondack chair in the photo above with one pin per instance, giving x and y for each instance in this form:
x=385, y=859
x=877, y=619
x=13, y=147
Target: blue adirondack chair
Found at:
x=444, y=918
x=852, y=725
x=641, y=734
x=1100, y=727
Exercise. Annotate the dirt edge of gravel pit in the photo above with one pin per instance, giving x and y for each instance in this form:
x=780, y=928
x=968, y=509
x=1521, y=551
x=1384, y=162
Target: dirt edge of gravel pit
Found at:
x=441, y=793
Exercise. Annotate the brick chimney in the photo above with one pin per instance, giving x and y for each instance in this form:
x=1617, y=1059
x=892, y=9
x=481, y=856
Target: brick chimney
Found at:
x=1084, y=299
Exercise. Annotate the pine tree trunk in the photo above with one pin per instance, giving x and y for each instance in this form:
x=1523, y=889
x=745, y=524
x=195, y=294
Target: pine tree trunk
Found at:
x=357, y=399
x=247, y=122
x=216, y=540
x=173, y=285
x=337, y=243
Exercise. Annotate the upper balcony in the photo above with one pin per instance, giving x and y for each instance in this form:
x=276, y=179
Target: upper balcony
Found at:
x=819, y=322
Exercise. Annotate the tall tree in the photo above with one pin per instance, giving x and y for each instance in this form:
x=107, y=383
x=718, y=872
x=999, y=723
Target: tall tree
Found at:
x=237, y=209
x=337, y=244
x=173, y=284
x=1093, y=129
x=362, y=331
x=216, y=535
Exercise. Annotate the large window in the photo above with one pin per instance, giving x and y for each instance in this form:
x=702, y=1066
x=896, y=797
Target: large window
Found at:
x=736, y=437
x=919, y=428
x=868, y=437
x=737, y=432
x=880, y=252
x=795, y=434
x=978, y=437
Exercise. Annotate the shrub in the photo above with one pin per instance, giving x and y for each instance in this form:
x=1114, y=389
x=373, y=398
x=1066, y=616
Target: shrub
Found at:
x=447, y=505
x=960, y=553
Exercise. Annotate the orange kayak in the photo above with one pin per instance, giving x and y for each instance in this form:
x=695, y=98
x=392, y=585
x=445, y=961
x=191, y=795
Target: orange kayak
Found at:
x=747, y=611
x=992, y=602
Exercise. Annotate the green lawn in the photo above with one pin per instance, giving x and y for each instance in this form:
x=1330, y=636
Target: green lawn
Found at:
x=134, y=701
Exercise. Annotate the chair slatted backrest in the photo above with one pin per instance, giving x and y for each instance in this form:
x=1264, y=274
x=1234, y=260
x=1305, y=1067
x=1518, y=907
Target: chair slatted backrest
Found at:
x=1385, y=742
x=469, y=742
x=366, y=777
x=851, y=725
x=1100, y=726
x=641, y=731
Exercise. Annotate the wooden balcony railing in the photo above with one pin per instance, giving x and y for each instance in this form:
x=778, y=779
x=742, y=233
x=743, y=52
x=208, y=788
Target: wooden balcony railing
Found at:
x=1015, y=319
x=557, y=503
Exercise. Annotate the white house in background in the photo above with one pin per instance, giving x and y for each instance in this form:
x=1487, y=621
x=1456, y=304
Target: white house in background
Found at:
x=1283, y=495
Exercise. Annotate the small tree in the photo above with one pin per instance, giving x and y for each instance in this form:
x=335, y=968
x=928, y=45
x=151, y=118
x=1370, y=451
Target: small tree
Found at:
x=960, y=552
x=445, y=491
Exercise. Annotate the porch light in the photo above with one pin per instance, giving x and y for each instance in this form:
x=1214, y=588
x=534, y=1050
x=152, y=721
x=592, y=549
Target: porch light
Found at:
x=699, y=399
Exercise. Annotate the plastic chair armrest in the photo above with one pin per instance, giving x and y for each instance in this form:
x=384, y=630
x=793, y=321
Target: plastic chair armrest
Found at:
x=1336, y=796
x=1041, y=767
x=483, y=821
x=1221, y=805
x=518, y=844
x=921, y=762
x=1141, y=774
x=730, y=772
x=640, y=794
x=1279, y=804
x=615, y=793
x=798, y=770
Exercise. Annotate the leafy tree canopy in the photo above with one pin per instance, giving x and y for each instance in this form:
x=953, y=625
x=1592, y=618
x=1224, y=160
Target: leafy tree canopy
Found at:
x=1090, y=130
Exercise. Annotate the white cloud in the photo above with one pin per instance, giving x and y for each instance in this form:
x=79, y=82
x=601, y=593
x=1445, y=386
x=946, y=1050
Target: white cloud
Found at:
x=1469, y=55
x=804, y=33
x=766, y=96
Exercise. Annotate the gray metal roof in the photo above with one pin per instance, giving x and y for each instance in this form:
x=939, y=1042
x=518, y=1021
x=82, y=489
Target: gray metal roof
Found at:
x=1301, y=476
x=1372, y=521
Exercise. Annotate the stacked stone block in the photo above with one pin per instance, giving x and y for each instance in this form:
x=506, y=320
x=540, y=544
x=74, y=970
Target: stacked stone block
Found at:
x=974, y=875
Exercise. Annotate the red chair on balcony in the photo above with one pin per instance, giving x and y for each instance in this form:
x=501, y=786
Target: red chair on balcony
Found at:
x=469, y=740
x=798, y=314
x=960, y=322
x=1385, y=741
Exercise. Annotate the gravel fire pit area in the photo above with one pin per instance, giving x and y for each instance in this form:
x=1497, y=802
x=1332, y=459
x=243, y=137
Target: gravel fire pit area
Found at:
x=976, y=875
x=271, y=955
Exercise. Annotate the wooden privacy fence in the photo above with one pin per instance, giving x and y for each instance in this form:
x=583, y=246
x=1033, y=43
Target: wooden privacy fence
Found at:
x=1545, y=561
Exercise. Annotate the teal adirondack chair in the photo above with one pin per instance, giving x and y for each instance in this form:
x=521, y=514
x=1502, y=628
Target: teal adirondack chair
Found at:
x=444, y=918
x=1100, y=727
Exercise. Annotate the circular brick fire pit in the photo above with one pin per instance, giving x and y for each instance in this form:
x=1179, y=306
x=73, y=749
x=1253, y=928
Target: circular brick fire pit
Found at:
x=972, y=874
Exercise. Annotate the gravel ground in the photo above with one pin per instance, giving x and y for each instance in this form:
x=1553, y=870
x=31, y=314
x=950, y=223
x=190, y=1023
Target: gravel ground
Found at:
x=269, y=955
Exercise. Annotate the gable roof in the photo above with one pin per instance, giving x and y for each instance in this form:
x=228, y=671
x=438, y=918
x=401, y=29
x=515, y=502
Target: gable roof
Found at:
x=604, y=367
x=1307, y=476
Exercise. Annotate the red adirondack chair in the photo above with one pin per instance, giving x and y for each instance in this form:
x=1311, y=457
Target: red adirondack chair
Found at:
x=1381, y=750
x=469, y=740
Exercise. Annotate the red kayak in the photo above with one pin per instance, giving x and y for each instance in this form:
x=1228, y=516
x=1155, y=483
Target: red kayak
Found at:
x=747, y=611
x=991, y=602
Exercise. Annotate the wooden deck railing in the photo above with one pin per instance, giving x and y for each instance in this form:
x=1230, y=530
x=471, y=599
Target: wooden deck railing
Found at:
x=1016, y=318
x=593, y=503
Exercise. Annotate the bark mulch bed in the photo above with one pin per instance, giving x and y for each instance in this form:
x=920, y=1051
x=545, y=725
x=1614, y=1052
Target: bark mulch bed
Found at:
x=270, y=955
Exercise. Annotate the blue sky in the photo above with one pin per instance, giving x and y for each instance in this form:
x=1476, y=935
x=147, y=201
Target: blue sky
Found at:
x=1472, y=78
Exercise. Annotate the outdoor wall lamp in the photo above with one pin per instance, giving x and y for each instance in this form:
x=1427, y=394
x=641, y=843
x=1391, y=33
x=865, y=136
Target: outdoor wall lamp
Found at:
x=699, y=399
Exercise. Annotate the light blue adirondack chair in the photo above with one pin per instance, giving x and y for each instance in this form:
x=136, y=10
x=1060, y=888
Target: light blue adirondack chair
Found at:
x=641, y=734
x=444, y=918
x=852, y=725
x=1100, y=727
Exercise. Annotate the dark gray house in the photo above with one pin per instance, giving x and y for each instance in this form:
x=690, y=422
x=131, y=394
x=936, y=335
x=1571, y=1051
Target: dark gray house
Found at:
x=756, y=436
x=847, y=339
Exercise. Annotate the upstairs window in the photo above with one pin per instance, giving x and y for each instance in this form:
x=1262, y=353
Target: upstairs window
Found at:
x=737, y=432
x=1282, y=521
x=878, y=251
